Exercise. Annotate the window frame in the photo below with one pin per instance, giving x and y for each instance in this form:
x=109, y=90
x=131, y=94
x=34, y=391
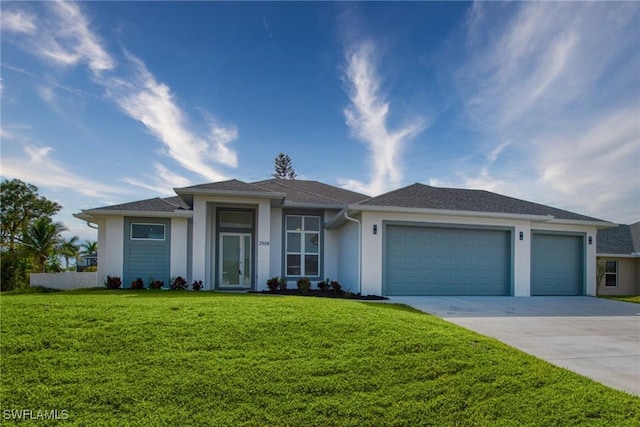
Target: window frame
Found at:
x=164, y=232
x=613, y=274
x=302, y=253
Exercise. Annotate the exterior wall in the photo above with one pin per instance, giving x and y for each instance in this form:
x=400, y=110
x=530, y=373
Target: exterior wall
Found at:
x=65, y=281
x=275, y=264
x=102, y=245
x=146, y=258
x=331, y=251
x=199, y=252
x=112, y=247
x=348, y=265
x=372, y=246
x=179, y=239
x=590, y=249
x=628, y=277
x=263, y=237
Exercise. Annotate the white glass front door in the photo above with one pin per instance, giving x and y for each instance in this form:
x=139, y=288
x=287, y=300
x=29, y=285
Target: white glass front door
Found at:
x=234, y=268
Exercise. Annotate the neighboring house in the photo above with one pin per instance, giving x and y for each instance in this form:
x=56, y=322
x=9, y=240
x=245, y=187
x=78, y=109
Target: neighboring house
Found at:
x=417, y=240
x=619, y=250
x=86, y=261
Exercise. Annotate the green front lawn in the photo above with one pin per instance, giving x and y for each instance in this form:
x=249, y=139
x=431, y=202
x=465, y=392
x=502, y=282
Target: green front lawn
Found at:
x=185, y=358
x=625, y=298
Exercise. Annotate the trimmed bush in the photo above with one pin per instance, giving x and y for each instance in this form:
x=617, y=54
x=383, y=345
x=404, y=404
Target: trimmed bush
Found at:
x=336, y=286
x=113, y=282
x=273, y=283
x=323, y=285
x=304, y=284
x=155, y=284
x=282, y=283
x=137, y=284
x=179, y=284
x=196, y=285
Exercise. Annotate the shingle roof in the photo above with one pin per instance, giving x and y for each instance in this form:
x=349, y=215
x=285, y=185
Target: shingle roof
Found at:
x=623, y=239
x=230, y=185
x=424, y=196
x=311, y=192
x=156, y=204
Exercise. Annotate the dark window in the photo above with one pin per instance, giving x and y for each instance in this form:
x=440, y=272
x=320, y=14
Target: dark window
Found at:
x=302, y=245
x=611, y=273
x=140, y=231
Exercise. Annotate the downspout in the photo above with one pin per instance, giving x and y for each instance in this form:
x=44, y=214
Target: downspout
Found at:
x=359, y=250
x=94, y=226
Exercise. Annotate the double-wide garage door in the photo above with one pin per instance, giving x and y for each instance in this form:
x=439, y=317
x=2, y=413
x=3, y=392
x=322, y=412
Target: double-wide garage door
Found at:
x=557, y=264
x=447, y=261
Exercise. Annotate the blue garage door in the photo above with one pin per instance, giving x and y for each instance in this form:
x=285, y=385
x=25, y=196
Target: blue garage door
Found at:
x=447, y=261
x=557, y=264
x=147, y=250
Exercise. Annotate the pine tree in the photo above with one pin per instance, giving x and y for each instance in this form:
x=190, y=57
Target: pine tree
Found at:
x=283, y=167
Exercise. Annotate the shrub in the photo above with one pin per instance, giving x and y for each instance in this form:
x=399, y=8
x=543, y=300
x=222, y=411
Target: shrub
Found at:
x=16, y=266
x=137, y=284
x=179, y=284
x=113, y=282
x=273, y=283
x=155, y=284
x=196, y=285
x=336, y=286
x=324, y=285
x=91, y=269
x=282, y=283
x=304, y=284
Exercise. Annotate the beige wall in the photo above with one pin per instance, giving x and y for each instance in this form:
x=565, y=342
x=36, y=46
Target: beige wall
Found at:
x=628, y=277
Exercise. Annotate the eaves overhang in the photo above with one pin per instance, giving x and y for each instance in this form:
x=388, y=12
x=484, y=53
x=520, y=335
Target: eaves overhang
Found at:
x=611, y=255
x=187, y=194
x=93, y=214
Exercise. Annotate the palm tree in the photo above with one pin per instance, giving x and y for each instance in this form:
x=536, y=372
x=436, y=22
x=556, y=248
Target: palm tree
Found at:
x=42, y=239
x=89, y=247
x=69, y=249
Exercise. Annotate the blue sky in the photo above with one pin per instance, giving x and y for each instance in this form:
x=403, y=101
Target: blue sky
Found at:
x=107, y=102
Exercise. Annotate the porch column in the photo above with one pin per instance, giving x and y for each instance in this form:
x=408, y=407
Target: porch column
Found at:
x=263, y=251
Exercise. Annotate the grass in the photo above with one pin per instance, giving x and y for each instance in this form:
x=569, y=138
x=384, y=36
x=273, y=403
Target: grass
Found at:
x=185, y=358
x=626, y=298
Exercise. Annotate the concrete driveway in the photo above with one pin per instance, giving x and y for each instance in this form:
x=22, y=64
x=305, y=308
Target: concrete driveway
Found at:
x=594, y=337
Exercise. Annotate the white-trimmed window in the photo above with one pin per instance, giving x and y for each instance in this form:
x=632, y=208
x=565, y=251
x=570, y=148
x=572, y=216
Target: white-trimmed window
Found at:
x=611, y=273
x=302, y=246
x=147, y=231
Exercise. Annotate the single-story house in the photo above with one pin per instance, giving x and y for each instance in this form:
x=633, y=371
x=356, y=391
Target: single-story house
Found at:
x=618, y=250
x=416, y=240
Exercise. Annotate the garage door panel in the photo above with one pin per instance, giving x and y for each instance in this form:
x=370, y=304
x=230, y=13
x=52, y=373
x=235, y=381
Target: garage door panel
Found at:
x=557, y=264
x=447, y=261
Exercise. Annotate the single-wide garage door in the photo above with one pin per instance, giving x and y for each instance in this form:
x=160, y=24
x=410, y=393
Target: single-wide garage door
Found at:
x=447, y=261
x=557, y=264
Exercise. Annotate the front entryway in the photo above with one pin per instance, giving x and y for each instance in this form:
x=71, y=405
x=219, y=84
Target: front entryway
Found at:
x=235, y=260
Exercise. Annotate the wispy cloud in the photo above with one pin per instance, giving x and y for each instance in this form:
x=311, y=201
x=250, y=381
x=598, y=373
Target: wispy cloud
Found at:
x=152, y=103
x=553, y=87
x=39, y=167
x=367, y=117
x=162, y=181
x=65, y=37
x=17, y=21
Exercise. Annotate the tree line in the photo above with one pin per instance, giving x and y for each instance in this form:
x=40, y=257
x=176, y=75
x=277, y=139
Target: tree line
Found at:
x=30, y=240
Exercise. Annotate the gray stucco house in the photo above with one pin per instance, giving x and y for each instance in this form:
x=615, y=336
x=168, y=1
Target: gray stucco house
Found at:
x=416, y=240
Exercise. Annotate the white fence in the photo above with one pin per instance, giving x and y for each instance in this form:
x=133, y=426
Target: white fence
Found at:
x=66, y=280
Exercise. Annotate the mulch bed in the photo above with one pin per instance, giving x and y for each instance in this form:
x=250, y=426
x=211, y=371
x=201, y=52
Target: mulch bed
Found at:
x=322, y=294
